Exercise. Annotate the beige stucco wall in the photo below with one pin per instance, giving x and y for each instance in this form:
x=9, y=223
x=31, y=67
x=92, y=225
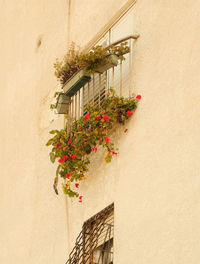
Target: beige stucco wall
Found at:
x=33, y=221
x=154, y=182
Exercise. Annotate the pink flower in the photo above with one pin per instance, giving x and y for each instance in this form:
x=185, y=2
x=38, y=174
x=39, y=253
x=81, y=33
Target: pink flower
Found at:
x=70, y=142
x=125, y=130
x=68, y=175
x=87, y=116
x=65, y=158
x=58, y=145
x=74, y=156
x=60, y=160
x=129, y=113
x=94, y=149
x=107, y=139
x=106, y=117
x=138, y=97
x=98, y=117
x=77, y=185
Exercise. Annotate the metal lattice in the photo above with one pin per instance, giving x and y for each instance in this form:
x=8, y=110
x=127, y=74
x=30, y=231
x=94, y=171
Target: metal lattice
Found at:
x=94, y=244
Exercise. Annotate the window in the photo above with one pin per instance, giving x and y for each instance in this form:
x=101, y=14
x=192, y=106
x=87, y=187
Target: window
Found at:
x=119, y=77
x=94, y=244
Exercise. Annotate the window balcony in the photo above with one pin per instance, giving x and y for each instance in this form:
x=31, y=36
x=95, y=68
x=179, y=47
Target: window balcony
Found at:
x=119, y=77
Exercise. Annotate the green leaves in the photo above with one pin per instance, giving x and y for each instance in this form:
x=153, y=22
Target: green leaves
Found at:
x=49, y=142
x=87, y=134
x=53, y=131
x=75, y=60
x=52, y=157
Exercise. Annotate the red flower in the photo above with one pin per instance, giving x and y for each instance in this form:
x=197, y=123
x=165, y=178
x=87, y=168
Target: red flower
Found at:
x=65, y=158
x=138, y=96
x=125, y=130
x=129, y=113
x=94, y=149
x=70, y=142
x=98, y=117
x=87, y=116
x=80, y=199
x=60, y=160
x=74, y=156
x=106, y=117
x=58, y=145
x=114, y=153
x=77, y=185
x=108, y=94
x=109, y=151
x=107, y=139
x=68, y=175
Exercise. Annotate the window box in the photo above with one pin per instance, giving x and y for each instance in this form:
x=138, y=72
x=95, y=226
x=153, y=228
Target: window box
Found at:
x=78, y=80
x=113, y=62
x=62, y=104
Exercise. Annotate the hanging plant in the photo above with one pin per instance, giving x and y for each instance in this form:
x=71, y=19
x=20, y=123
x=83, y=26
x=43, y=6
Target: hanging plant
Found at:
x=90, y=132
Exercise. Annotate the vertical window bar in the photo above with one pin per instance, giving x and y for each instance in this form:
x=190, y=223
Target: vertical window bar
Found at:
x=88, y=99
x=75, y=105
x=120, y=89
x=93, y=89
x=106, y=82
x=130, y=65
x=83, y=95
x=79, y=103
x=113, y=76
x=100, y=89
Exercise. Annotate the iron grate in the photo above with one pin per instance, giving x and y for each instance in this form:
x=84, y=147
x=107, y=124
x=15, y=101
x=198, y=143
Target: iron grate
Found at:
x=94, y=244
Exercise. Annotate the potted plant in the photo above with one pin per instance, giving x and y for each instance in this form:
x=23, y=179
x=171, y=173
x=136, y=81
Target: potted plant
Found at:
x=62, y=104
x=75, y=69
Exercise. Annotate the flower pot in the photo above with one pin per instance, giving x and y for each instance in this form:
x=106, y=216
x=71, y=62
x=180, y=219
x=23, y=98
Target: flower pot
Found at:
x=113, y=62
x=62, y=103
x=78, y=80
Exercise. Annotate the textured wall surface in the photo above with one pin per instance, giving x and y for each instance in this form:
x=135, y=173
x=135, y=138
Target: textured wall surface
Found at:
x=33, y=222
x=154, y=181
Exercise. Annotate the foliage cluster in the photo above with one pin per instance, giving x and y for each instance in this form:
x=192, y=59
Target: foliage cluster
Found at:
x=71, y=149
x=75, y=60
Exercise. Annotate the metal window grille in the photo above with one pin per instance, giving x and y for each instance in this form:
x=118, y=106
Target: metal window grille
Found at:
x=94, y=244
x=119, y=78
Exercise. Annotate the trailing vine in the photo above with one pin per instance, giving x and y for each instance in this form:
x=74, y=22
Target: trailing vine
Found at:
x=72, y=149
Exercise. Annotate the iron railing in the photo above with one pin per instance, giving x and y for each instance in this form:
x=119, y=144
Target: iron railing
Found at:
x=94, y=244
x=118, y=77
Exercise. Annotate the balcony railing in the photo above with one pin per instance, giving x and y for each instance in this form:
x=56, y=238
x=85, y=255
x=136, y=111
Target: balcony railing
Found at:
x=118, y=77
